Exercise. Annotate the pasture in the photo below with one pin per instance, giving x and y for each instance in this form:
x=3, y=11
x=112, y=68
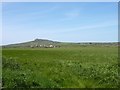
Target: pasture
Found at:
x=65, y=67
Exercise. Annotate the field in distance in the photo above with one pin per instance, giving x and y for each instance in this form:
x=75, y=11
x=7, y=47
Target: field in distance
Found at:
x=66, y=66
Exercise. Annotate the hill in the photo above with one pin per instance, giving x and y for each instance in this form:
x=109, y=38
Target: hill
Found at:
x=50, y=44
x=35, y=43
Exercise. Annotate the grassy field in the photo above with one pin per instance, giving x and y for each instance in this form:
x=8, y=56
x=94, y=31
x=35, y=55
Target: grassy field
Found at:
x=68, y=67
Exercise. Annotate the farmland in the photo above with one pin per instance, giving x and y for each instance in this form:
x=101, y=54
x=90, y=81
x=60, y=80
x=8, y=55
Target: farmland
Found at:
x=65, y=67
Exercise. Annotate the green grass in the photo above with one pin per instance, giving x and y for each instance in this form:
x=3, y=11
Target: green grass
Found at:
x=68, y=67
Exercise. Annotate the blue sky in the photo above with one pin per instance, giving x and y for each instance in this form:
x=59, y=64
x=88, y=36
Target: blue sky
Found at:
x=68, y=22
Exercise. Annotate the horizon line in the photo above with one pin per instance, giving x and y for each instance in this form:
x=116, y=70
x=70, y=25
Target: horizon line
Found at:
x=63, y=41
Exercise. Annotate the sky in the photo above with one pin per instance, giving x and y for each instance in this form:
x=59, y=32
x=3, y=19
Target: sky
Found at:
x=59, y=21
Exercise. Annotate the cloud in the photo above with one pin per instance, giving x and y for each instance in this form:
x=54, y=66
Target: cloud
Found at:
x=88, y=27
x=72, y=14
